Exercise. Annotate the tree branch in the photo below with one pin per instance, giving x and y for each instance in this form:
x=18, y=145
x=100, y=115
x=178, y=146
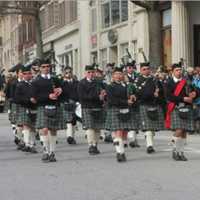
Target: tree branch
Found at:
x=141, y=4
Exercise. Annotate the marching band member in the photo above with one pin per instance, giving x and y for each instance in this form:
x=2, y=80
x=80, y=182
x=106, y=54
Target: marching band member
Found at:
x=179, y=117
x=119, y=118
x=91, y=97
x=26, y=109
x=151, y=115
x=47, y=92
x=69, y=99
x=130, y=77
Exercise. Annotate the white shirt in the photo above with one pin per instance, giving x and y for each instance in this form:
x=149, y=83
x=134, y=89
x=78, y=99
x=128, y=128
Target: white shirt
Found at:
x=176, y=79
x=48, y=76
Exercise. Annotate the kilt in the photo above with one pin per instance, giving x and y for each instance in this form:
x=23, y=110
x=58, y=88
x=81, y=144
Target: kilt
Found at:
x=146, y=124
x=113, y=123
x=23, y=118
x=67, y=115
x=178, y=123
x=90, y=122
x=13, y=113
x=42, y=121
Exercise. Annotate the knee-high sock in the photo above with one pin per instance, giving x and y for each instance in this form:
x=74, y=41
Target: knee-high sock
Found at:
x=178, y=144
x=116, y=143
x=96, y=137
x=121, y=145
x=149, y=138
x=45, y=143
x=52, y=142
x=26, y=137
x=70, y=130
x=90, y=136
x=32, y=138
x=19, y=132
x=132, y=135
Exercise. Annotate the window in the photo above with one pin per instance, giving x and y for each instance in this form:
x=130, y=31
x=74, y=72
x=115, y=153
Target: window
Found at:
x=124, y=10
x=166, y=18
x=106, y=15
x=114, y=12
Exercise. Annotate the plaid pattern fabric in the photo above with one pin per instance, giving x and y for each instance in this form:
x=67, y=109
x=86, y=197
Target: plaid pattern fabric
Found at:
x=67, y=115
x=113, y=123
x=23, y=118
x=42, y=121
x=13, y=112
x=90, y=121
x=178, y=123
x=146, y=124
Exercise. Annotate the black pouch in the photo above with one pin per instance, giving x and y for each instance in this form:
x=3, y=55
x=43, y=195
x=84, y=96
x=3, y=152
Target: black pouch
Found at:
x=96, y=113
x=183, y=112
x=50, y=111
x=152, y=113
x=70, y=107
x=124, y=115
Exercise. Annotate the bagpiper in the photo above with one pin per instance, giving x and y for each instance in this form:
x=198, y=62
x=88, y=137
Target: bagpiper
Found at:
x=47, y=91
x=151, y=115
x=120, y=117
x=14, y=107
x=130, y=77
x=68, y=105
x=26, y=109
x=91, y=97
x=179, y=117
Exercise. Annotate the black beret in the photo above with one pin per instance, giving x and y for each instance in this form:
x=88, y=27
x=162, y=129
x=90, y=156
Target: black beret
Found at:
x=16, y=68
x=89, y=68
x=45, y=61
x=118, y=69
x=26, y=68
x=145, y=64
x=132, y=63
x=176, y=65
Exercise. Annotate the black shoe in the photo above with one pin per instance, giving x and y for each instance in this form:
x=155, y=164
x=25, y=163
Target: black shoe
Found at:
x=96, y=151
x=26, y=149
x=93, y=150
x=150, y=150
x=21, y=145
x=125, y=145
x=182, y=157
x=121, y=157
x=71, y=140
x=134, y=144
x=175, y=156
x=108, y=139
x=16, y=140
x=52, y=157
x=33, y=150
x=45, y=157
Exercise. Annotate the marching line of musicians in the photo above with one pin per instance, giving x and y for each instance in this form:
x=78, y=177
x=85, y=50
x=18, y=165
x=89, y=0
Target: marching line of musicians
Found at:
x=40, y=102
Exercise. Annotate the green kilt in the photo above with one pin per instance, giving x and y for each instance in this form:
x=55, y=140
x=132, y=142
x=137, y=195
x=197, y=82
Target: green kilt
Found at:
x=113, y=122
x=146, y=124
x=23, y=118
x=13, y=113
x=54, y=123
x=178, y=123
x=89, y=121
x=67, y=115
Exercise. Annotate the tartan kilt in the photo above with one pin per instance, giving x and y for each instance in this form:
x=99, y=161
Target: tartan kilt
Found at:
x=90, y=122
x=178, y=123
x=23, y=118
x=67, y=115
x=113, y=123
x=13, y=113
x=42, y=121
x=146, y=124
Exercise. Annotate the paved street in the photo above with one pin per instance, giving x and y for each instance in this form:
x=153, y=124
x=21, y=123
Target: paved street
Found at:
x=78, y=176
